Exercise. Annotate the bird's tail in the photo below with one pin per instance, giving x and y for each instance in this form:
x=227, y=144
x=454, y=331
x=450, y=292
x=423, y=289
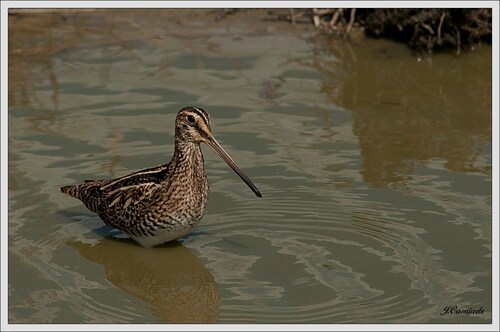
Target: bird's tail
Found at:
x=88, y=192
x=71, y=190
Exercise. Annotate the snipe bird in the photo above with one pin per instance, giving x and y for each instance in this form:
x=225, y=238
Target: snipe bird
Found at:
x=162, y=203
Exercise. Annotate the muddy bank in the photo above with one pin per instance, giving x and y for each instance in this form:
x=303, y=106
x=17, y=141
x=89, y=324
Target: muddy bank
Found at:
x=424, y=30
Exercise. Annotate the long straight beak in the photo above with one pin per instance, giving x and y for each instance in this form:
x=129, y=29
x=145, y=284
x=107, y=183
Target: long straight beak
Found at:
x=212, y=142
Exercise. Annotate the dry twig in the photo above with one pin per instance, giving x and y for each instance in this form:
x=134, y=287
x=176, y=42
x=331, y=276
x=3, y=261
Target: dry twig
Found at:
x=441, y=20
x=351, y=22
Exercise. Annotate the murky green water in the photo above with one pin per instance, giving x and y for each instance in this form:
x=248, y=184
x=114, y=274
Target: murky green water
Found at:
x=375, y=169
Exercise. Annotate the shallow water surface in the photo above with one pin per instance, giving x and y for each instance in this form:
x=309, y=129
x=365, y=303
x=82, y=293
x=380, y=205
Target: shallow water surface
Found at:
x=375, y=169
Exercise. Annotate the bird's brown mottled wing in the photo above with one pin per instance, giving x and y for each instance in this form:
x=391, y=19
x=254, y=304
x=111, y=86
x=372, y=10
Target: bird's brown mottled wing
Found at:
x=124, y=199
x=112, y=199
x=127, y=206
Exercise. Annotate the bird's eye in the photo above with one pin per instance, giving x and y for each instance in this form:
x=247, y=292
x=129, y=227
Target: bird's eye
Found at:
x=190, y=118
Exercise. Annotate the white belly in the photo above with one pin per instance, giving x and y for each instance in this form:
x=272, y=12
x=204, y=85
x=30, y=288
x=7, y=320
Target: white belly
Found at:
x=163, y=236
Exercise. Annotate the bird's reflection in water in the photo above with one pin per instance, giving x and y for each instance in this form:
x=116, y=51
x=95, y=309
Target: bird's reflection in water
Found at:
x=170, y=278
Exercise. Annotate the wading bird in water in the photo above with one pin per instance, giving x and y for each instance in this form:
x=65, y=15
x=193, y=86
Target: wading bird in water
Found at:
x=161, y=204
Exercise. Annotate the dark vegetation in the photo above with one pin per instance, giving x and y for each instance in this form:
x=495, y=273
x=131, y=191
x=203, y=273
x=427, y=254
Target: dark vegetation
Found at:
x=424, y=30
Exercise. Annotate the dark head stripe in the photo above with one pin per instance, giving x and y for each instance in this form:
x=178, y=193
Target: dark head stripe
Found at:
x=205, y=117
x=202, y=114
